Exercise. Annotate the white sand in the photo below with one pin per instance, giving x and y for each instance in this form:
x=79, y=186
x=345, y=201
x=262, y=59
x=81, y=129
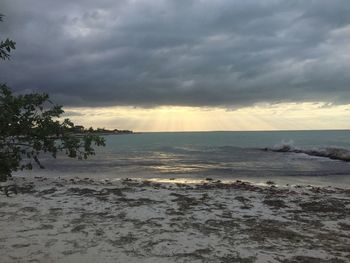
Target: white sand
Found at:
x=61, y=220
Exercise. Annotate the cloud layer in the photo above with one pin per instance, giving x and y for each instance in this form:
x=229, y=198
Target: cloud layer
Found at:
x=226, y=53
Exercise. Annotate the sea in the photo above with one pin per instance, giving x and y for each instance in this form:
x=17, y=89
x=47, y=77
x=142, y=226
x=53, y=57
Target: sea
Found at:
x=284, y=157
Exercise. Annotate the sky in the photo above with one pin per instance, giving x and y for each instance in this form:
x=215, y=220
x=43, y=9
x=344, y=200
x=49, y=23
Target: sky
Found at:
x=182, y=65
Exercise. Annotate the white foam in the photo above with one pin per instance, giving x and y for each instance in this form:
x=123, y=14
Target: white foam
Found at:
x=334, y=152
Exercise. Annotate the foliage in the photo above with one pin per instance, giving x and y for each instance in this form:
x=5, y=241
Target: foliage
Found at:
x=30, y=126
x=6, y=46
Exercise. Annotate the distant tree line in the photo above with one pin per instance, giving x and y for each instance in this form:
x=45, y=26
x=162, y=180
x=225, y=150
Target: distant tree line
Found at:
x=81, y=129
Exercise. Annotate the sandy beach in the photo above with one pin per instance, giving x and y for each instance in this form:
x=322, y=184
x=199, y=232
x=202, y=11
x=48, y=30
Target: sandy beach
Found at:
x=175, y=131
x=84, y=220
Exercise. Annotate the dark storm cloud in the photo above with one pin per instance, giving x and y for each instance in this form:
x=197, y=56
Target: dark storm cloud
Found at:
x=202, y=53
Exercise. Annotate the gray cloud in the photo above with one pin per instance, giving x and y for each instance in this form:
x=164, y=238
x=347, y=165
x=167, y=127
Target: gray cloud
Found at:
x=198, y=53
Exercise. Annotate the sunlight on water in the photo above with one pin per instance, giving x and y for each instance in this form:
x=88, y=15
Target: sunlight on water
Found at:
x=192, y=181
x=225, y=156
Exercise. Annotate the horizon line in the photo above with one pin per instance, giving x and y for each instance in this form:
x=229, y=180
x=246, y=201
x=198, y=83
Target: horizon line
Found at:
x=280, y=130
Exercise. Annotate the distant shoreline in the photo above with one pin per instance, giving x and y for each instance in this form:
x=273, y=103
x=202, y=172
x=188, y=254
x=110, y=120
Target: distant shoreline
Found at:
x=99, y=131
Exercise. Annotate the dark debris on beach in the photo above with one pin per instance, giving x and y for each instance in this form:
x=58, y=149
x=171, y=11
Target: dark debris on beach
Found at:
x=139, y=221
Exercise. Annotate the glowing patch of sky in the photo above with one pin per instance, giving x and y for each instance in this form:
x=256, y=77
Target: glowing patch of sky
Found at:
x=284, y=116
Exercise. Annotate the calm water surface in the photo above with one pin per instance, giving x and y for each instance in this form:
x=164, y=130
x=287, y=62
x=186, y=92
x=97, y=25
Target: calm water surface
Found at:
x=221, y=155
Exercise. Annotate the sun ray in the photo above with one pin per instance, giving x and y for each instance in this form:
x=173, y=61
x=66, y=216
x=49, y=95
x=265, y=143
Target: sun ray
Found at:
x=284, y=116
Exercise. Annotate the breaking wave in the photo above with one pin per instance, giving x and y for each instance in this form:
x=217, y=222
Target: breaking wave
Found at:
x=335, y=153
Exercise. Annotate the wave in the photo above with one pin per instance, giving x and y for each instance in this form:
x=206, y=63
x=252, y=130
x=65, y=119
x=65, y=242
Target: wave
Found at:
x=335, y=153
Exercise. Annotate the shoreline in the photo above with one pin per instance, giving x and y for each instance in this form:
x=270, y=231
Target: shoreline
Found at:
x=75, y=219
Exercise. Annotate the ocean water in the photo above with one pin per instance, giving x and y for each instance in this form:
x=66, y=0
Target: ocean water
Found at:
x=218, y=155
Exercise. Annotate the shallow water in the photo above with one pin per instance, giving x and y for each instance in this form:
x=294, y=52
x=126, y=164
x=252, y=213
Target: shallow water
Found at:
x=219, y=155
